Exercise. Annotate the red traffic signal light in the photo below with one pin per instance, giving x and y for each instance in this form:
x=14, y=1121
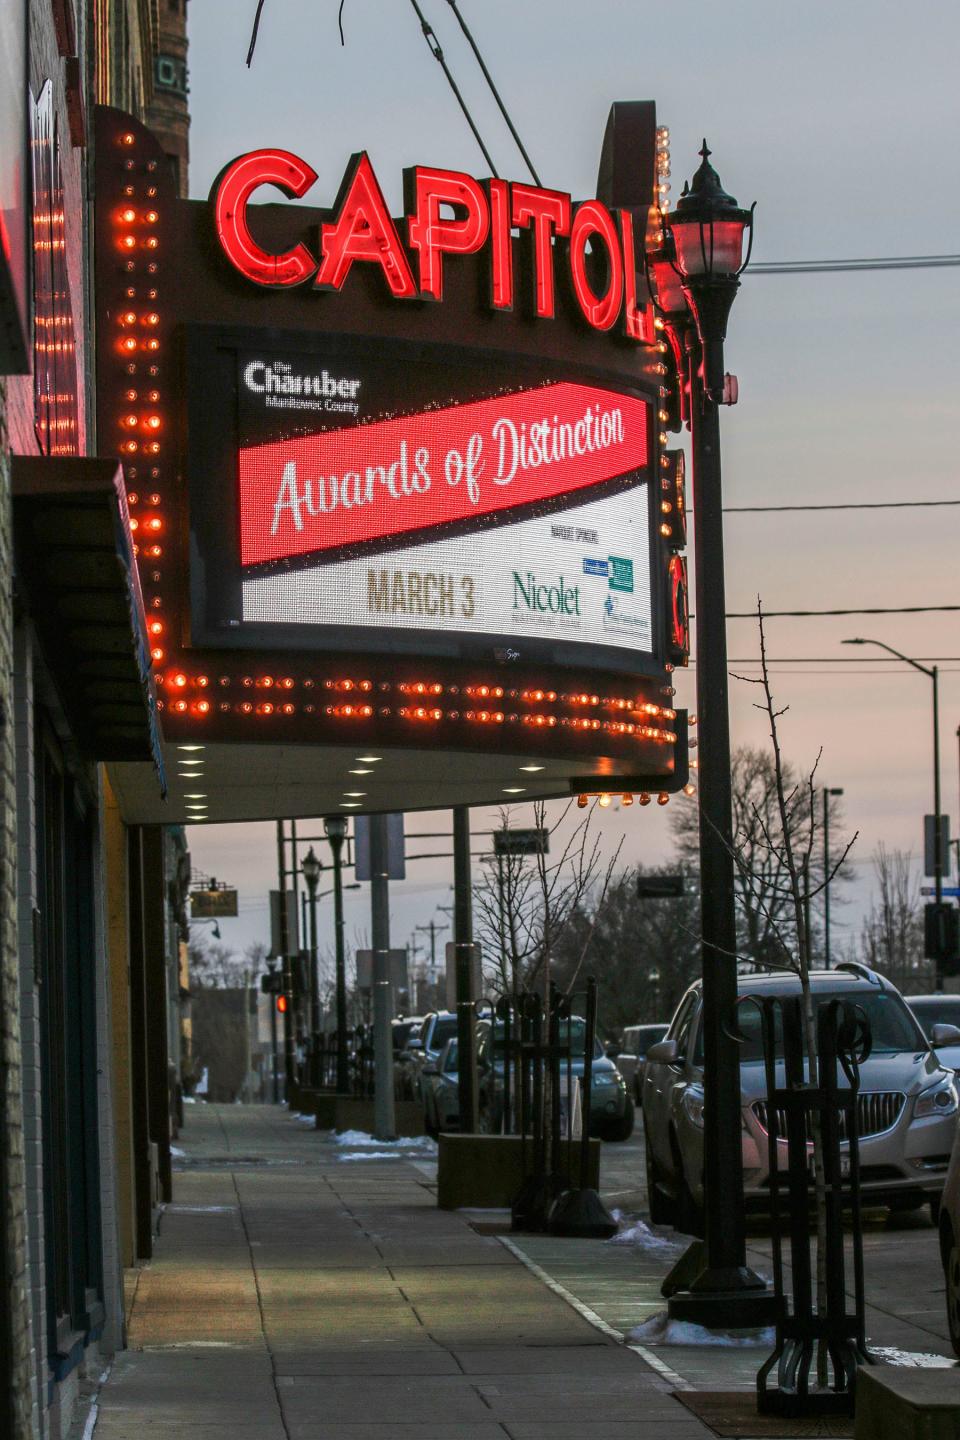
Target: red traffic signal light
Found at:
x=282, y=1004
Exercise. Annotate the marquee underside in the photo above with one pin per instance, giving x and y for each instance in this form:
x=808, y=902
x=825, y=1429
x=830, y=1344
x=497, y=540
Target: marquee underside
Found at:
x=221, y=783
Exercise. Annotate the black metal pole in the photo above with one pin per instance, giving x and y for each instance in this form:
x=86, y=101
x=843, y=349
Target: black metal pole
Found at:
x=463, y=941
x=289, y=1054
x=826, y=878
x=343, y=1063
x=385, y=1125
x=937, y=831
x=274, y=1057
x=726, y=1292
x=314, y=994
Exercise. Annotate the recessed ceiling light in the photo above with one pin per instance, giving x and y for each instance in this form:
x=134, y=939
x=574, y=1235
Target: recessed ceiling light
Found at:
x=531, y=768
x=196, y=808
x=191, y=747
x=200, y=796
x=361, y=772
x=515, y=790
x=351, y=805
x=369, y=759
x=354, y=794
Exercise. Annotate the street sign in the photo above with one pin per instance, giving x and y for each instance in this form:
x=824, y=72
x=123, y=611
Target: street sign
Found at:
x=661, y=887
x=950, y=891
x=535, y=841
x=476, y=973
x=397, y=969
x=929, y=833
x=219, y=904
x=396, y=866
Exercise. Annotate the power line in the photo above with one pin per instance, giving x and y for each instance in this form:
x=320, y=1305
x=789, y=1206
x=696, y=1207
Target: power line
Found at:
x=840, y=660
x=840, y=505
x=823, y=267
x=433, y=45
x=873, y=610
x=494, y=91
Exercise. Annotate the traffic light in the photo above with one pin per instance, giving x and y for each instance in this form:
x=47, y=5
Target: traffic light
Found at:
x=281, y=1004
x=941, y=936
x=271, y=984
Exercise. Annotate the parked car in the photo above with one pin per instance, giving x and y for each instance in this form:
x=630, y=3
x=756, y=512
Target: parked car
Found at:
x=441, y=1099
x=938, y=1014
x=611, y=1106
x=637, y=1040
x=949, y=1222
x=406, y=1037
x=908, y=1101
x=435, y=1030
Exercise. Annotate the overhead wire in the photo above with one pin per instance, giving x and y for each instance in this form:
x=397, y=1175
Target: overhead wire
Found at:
x=494, y=91
x=825, y=267
x=436, y=50
x=840, y=505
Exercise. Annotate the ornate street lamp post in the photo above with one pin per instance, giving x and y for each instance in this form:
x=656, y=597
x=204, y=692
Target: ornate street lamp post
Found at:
x=311, y=868
x=335, y=829
x=702, y=260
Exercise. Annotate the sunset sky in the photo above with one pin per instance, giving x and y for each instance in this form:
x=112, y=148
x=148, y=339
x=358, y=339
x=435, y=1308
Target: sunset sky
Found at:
x=840, y=121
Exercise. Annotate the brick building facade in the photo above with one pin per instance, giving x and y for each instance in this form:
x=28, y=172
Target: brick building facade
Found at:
x=87, y=1101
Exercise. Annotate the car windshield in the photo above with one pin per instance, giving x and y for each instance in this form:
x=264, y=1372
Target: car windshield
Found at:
x=444, y=1029
x=892, y=1027
x=935, y=1012
x=577, y=1034
x=450, y=1059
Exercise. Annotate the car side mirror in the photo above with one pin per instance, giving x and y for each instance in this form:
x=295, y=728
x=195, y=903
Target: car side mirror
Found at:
x=665, y=1052
x=430, y=1069
x=945, y=1035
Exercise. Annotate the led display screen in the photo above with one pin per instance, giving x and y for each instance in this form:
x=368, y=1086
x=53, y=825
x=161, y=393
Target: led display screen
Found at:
x=463, y=504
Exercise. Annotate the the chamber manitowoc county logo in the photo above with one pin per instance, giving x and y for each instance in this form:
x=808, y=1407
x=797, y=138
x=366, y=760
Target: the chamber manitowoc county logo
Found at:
x=545, y=598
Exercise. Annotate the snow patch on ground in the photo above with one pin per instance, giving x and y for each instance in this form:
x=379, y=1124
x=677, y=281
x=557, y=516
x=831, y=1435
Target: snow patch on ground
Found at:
x=370, y=1155
x=636, y=1232
x=202, y=1209
x=659, y=1329
x=917, y=1358
x=305, y=1119
x=177, y=1153
x=359, y=1140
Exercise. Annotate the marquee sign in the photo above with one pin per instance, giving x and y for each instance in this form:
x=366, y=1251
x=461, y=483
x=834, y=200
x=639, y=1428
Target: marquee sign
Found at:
x=393, y=473
x=485, y=213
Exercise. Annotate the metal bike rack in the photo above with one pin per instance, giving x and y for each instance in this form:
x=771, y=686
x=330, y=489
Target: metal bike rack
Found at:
x=843, y=1042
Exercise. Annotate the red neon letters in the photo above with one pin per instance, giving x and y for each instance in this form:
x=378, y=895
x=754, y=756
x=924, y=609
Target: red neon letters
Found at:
x=231, y=194
x=482, y=215
x=363, y=231
x=309, y=494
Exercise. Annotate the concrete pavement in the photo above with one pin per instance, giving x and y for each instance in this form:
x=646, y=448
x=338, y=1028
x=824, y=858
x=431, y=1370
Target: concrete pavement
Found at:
x=301, y=1292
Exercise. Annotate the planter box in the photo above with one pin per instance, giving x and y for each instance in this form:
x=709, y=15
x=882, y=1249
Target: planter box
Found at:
x=903, y=1403
x=485, y=1172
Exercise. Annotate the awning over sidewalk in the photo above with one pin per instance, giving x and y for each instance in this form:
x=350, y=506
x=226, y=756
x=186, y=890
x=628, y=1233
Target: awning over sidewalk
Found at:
x=74, y=564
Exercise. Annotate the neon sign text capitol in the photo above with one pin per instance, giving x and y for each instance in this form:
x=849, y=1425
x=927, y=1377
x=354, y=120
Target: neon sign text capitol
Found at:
x=485, y=214
x=311, y=493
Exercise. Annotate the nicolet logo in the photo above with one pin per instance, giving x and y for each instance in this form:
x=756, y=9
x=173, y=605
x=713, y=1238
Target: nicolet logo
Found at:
x=555, y=599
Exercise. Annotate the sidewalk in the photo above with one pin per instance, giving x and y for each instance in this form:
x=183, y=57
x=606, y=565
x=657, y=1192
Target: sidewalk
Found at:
x=303, y=1290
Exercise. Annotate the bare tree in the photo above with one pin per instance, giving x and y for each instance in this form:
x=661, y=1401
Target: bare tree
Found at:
x=891, y=939
x=523, y=912
x=213, y=966
x=764, y=901
x=788, y=839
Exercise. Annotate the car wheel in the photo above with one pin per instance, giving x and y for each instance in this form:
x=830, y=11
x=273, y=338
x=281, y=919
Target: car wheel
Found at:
x=663, y=1208
x=951, y=1268
x=622, y=1129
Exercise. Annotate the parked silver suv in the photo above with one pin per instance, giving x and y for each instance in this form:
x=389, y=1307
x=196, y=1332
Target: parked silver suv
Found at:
x=908, y=1101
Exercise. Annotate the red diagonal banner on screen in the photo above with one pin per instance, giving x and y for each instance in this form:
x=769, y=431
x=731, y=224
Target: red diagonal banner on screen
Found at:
x=339, y=488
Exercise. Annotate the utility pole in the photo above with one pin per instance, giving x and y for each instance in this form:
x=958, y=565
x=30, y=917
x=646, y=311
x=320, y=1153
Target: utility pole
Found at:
x=826, y=873
x=289, y=1053
x=463, y=941
x=384, y=1117
x=246, y=1036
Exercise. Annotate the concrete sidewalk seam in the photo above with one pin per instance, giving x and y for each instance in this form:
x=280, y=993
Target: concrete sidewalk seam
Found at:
x=263, y=1326
x=658, y=1366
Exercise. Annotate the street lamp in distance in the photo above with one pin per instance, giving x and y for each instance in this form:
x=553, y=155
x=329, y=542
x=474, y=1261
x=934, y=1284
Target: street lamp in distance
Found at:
x=933, y=675
x=335, y=829
x=312, y=867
